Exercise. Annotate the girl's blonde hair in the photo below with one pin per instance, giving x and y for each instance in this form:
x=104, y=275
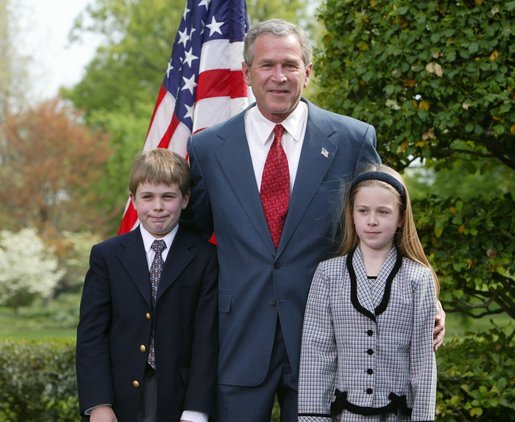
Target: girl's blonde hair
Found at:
x=406, y=239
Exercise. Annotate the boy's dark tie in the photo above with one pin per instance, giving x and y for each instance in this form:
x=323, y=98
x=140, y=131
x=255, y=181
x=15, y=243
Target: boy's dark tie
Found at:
x=155, y=275
x=275, y=186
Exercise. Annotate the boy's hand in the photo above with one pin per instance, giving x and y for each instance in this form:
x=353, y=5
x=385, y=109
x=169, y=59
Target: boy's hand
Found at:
x=439, y=331
x=102, y=414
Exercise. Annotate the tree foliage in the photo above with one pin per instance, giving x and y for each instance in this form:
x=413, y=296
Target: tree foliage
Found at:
x=72, y=250
x=436, y=80
x=129, y=66
x=472, y=250
x=49, y=164
x=28, y=268
x=13, y=65
x=434, y=77
x=290, y=10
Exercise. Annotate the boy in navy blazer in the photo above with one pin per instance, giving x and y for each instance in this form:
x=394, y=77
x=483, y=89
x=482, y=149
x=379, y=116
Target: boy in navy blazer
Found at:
x=147, y=335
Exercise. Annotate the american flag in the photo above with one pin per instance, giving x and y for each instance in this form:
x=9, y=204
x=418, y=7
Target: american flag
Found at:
x=203, y=83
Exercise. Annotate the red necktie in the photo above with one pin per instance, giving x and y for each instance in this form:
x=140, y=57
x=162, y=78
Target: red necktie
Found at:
x=275, y=186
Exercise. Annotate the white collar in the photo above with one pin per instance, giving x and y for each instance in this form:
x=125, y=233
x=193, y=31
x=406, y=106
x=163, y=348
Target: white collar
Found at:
x=293, y=123
x=148, y=239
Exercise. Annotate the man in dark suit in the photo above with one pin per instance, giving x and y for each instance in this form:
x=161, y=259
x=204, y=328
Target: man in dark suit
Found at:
x=268, y=253
x=146, y=340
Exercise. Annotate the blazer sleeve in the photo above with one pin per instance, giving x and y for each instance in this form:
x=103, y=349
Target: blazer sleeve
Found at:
x=422, y=356
x=367, y=154
x=197, y=217
x=92, y=349
x=318, y=360
x=201, y=389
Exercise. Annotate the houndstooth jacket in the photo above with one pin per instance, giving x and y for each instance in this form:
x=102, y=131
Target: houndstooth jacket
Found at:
x=368, y=344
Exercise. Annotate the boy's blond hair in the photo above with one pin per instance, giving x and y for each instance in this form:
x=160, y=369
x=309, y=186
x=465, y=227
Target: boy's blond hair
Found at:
x=160, y=166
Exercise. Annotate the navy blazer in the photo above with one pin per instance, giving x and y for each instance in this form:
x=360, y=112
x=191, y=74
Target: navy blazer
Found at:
x=115, y=319
x=258, y=284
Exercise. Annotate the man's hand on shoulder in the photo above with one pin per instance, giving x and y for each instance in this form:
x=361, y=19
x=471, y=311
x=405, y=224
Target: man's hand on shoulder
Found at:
x=439, y=331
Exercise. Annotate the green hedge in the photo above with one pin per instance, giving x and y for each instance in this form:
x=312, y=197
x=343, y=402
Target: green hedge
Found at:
x=37, y=381
x=476, y=379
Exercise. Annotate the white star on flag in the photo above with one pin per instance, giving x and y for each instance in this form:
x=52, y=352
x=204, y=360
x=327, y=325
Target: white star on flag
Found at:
x=214, y=27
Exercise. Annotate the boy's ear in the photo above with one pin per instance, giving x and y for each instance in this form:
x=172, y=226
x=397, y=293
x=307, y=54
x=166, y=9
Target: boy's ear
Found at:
x=186, y=199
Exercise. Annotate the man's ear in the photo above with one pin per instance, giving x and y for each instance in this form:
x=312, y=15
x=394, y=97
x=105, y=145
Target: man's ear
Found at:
x=246, y=73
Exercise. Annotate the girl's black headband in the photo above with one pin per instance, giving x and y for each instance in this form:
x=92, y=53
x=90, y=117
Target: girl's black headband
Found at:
x=383, y=177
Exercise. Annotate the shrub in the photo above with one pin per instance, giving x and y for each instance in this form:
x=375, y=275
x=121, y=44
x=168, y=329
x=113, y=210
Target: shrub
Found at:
x=38, y=381
x=476, y=377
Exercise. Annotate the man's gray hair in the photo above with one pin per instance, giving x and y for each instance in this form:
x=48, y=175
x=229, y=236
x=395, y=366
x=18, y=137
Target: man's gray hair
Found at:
x=278, y=28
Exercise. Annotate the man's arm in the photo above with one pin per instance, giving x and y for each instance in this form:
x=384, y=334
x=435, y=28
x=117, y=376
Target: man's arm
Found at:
x=201, y=388
x=197, y=217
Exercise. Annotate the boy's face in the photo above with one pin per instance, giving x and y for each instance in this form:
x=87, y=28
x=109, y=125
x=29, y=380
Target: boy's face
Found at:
x=159, y=207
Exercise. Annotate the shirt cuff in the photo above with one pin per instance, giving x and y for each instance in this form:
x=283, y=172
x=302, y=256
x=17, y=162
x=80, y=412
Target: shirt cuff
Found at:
x=87, y=412
x=192, y=416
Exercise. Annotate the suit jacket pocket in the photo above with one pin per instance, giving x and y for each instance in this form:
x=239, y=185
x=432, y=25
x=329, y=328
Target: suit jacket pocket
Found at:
x=224, y=302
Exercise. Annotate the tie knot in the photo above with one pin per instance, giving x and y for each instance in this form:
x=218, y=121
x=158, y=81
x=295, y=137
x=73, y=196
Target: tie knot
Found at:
x=158, y=246
x=278, y=131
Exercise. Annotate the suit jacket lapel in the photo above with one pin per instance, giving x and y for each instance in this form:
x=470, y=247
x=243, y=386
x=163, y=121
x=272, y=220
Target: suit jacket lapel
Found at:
x=317, y=155
x=133, y=259
x=234, y=157
x=177, y=259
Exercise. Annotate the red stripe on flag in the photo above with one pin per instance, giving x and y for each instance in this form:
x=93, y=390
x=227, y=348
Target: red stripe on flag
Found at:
x=129, y=218
x=221, y=83
x=165, y=140
x=160, y=96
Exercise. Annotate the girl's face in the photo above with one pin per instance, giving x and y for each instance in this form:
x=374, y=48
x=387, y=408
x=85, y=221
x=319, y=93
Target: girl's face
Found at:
x=376, y=217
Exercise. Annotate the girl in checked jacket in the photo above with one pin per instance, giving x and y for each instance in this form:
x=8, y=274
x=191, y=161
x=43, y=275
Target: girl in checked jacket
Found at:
x=367, y=345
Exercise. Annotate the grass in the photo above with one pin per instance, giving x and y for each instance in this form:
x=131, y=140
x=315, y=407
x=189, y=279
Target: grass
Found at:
x=55, y=320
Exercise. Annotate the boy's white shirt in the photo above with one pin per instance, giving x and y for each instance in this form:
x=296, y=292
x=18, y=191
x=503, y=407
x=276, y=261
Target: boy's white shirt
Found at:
x=148, y=239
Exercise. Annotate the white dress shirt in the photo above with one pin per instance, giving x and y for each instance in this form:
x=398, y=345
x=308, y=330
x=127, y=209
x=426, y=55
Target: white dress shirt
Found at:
x=259, y=132
x=148, y=239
